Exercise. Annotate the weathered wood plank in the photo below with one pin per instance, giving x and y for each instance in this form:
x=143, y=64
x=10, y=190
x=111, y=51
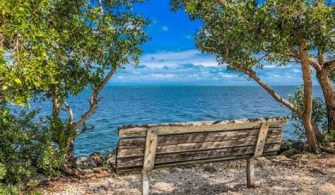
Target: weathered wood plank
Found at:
x=263, y=131
x=195, y=137
x=183, y=147
x=132, y=131
x=251, y=173
x=175, y=128
x=229, y=158
x=150, y=151
x=145, y=183
x=160, y=145
x=195, y=155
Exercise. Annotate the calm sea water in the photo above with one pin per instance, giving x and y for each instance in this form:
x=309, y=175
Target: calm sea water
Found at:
x=144, y=105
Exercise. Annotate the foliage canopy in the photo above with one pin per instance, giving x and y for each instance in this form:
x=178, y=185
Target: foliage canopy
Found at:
x=245, y=34
x=57, y=47
x=52, y=50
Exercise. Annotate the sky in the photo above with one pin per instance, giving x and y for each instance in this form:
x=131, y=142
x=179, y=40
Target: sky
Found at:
x=170, y=56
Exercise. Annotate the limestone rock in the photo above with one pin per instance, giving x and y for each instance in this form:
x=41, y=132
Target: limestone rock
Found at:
x=280, y=158
x=110, y=160
x=85, y=163
x=96, y=158
x=262, y=161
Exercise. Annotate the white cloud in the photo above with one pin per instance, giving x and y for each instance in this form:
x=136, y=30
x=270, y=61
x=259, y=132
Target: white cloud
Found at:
x=270, y=66
x=175, y=59
x=162, y=76
x=191, y=66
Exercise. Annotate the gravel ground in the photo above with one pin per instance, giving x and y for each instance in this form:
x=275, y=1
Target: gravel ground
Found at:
x=301, y=174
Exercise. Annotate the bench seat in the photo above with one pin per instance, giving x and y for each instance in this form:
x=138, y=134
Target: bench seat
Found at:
x=145, y=147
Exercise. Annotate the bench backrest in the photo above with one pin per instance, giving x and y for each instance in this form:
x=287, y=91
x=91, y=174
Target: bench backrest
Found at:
x=196, y=142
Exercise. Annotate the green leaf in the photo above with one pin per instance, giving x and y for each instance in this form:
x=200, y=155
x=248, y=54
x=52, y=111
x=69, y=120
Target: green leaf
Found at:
x=17, y=81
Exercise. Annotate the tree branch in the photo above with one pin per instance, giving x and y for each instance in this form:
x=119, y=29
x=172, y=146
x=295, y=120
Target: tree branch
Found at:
x=69, y=112
x=94, y=99
x=261, y=58
x=101, y=8
x=330, y=65
x=328, y=150
x=106, y=79
x=320, y=56
x=316, y=65
x=252, y=74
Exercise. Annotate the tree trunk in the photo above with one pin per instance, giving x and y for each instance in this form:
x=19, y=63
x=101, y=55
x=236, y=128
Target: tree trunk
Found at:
x=70, y=151
x=55, y=108
x=329, y=95
x=308, y=102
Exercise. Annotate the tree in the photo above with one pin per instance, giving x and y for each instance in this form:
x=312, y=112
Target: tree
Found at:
x=55, y=49
x=245, y=34
x=320, y=27
x=25, y=40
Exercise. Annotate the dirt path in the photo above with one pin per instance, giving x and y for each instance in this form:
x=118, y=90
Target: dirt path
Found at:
x=278, y=175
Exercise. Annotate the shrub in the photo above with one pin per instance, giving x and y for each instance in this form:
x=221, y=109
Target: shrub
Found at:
x=26, y=149
x=319, y=114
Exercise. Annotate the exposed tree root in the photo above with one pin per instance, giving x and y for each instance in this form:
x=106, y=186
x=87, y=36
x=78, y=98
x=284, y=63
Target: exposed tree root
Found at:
x=328, y=150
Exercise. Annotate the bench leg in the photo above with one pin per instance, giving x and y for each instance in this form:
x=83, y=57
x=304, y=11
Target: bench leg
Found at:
x=251, y=173
x=145, y=183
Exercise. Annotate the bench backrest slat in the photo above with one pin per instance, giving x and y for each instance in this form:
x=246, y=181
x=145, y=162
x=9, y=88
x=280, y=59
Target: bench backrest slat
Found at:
x=183, y=143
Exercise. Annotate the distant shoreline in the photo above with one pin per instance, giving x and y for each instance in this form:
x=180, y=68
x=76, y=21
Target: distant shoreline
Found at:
x=195, y=85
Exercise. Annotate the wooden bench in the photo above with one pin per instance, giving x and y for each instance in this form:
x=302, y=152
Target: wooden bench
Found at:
x=146, y=147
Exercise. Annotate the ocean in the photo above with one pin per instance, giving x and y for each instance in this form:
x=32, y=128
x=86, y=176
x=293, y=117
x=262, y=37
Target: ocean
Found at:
x=161, y=104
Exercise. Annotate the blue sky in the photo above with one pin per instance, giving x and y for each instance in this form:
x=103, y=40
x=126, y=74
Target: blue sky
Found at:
x=171, y=58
